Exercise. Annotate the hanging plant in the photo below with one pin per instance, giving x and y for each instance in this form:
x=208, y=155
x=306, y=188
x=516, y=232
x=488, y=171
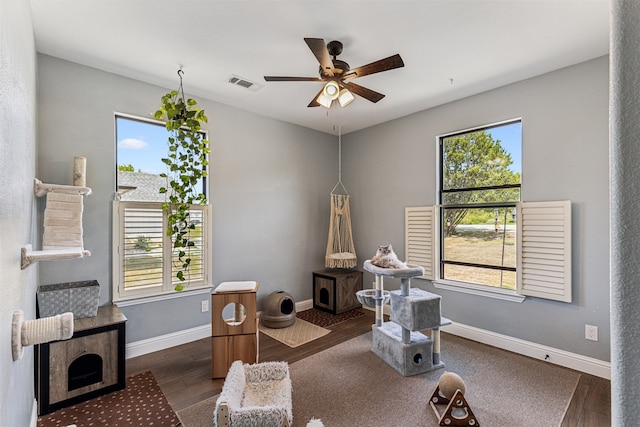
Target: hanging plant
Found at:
x=186, y=164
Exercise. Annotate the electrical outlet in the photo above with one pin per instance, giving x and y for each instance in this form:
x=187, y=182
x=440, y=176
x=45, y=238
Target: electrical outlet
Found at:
x=591, y=332
x=205, y=305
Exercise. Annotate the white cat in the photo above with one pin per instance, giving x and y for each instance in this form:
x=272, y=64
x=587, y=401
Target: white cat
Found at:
x=386, y=258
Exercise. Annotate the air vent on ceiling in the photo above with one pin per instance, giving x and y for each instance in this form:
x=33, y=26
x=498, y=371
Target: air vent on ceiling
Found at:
x=247, y=84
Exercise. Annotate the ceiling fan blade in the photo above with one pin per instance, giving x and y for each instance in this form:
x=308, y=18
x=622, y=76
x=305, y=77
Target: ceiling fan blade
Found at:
x=314, y=102
x=369, y=94
x=292, y=79
x=385, y=64
x=319, y=49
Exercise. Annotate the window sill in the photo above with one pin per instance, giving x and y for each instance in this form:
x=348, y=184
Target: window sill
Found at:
x=125, y=302
x=485, y=291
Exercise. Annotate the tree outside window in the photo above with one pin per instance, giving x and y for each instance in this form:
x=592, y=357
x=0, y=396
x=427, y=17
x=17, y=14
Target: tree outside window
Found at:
x=480, y=184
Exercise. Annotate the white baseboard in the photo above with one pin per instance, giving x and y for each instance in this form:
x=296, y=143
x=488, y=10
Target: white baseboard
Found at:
x=304, y=305
x=138, y=348
x=581, y=363
x=34, y=414
x=556, y=356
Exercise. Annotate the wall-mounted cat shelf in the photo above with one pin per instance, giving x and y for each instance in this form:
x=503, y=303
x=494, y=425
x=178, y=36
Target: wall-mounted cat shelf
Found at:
x=62, y=224
x=41, y=189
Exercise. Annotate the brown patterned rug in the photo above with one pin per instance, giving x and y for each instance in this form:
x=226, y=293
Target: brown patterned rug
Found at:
x=325, y=319
x=141, y=403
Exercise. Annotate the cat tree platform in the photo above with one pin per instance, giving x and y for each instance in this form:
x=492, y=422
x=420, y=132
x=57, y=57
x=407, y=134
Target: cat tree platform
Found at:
x=400, y=342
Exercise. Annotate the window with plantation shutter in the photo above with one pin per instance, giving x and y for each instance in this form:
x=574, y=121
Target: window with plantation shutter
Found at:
x=543, y=247
x=144, y=260
x=544, y=250
x=419, y=241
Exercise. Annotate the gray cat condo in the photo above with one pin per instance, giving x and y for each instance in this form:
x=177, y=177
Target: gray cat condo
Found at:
x=399, y=342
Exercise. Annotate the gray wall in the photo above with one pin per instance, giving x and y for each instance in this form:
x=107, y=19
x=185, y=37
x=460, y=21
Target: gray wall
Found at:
x=565, y=151
x=17, y=167
x=270, y=184
x=269, y=189
x=625, y=224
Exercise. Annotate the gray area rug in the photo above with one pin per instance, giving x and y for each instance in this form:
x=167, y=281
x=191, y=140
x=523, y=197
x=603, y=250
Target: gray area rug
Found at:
x=348, y=385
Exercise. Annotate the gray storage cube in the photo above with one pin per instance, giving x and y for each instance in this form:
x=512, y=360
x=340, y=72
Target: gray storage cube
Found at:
x=80, y=298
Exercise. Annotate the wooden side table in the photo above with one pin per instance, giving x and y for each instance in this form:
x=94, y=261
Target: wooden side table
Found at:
x=234, y=326
x=89, y=364
x=334, y=290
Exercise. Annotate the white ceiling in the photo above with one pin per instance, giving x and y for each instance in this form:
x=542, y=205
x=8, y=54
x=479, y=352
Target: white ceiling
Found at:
x=451, y=48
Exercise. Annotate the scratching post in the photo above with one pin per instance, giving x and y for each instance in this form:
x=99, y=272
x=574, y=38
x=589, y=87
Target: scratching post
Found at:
x=380, y=300
x=39, y=331
x=79, y=171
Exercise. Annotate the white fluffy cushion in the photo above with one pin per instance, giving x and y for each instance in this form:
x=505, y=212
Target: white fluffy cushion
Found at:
x=258, y=395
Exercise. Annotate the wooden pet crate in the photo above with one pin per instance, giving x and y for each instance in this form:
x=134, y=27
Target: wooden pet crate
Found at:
x=90, y=364
x=334, y=290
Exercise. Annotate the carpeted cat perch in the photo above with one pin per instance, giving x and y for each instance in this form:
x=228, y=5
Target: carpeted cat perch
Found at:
x=341, y=252
x=399, y=342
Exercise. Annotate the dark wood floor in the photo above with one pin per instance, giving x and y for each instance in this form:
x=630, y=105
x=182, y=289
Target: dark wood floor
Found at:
x=184, y=372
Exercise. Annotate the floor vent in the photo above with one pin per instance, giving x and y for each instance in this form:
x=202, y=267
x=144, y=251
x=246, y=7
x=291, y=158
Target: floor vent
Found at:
x=247, y=84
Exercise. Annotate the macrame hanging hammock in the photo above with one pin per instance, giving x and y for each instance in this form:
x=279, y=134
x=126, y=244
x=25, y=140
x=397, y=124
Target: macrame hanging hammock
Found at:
x=341, y=252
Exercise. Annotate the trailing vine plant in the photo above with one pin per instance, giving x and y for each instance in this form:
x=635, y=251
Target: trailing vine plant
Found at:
x=186, y=164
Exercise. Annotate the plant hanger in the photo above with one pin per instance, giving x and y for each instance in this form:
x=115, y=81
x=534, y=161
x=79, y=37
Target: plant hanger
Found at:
x=341, y=252
x=339, y=163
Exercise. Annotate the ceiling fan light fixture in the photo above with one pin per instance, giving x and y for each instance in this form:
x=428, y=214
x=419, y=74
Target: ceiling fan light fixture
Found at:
x=331, y=90
x=324, y=100
x=345, y=97
x=334, y=71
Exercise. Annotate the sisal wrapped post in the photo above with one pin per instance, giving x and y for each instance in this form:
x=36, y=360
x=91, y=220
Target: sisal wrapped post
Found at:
x=39, y=331
x=80, y=171
x=53, y=328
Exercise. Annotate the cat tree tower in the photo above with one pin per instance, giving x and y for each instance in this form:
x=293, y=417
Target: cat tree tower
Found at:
x=399, y=342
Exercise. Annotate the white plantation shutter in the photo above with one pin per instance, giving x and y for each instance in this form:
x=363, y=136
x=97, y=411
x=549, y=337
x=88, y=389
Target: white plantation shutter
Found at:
x=543, y=246
x=197, y=252
x=544, y=250
x=142, y=249
x=419, y=238
x=144, y=262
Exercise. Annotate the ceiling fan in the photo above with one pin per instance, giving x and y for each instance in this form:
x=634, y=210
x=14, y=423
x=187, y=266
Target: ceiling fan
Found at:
x=335, y=73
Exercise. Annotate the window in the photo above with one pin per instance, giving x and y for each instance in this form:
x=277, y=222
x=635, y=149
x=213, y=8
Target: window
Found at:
x=480, y=184
x=143, y=258
x=481, y=239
